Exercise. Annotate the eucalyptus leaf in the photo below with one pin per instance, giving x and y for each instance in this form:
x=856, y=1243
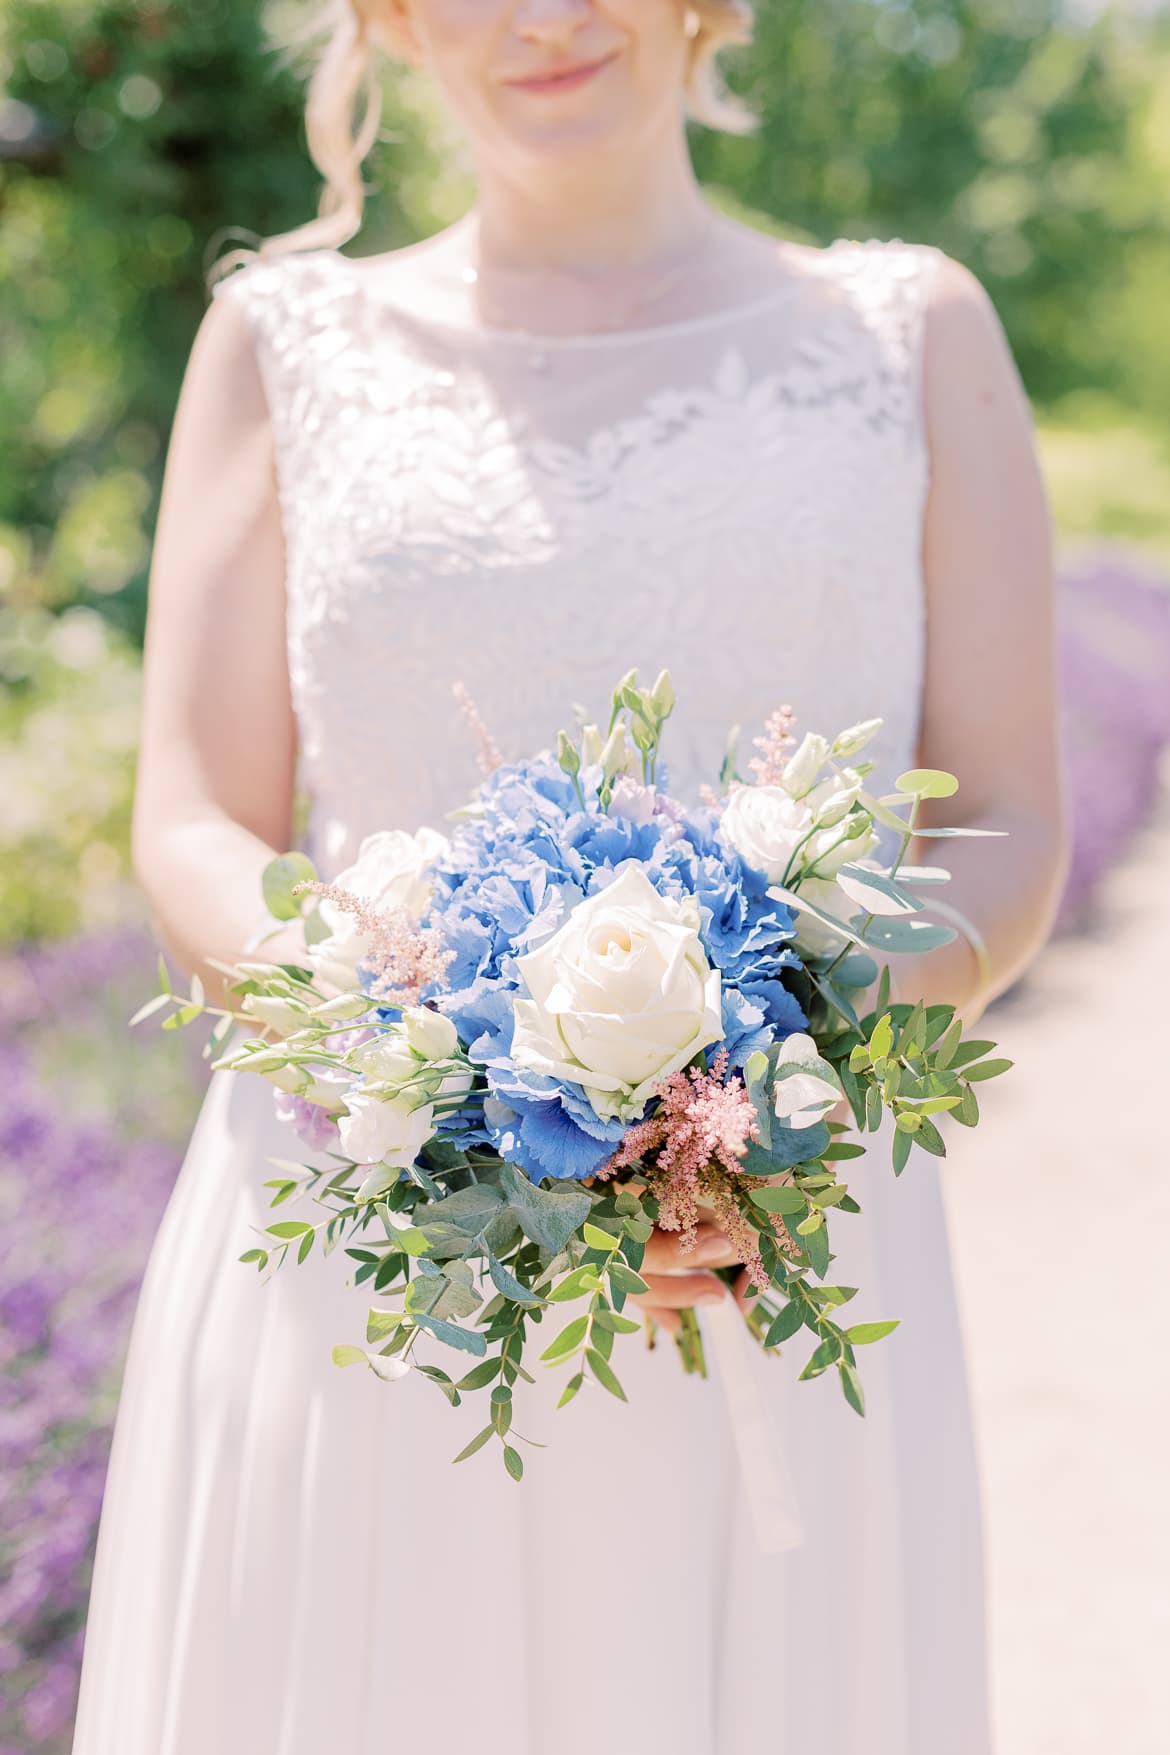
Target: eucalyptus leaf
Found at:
x=278, y=880
x=786, y=1324
x=816, y=1248
x=851, y=1386
x=148, y=1010
x=571, y=1389
x=876, y=893
x=987, y=1069
x=962, y=834
x=578, y=1284
x=927, y=783
x=477, y=1443
x=549, y=1217
x=825, y=1355
x=604, y=1374
x=857, y=970
x=469, y=1340
x=782, y=1200
x=908, y=935
x=793, y=899
x=506, y=1282
x=864, y=1334
x=344, y=1354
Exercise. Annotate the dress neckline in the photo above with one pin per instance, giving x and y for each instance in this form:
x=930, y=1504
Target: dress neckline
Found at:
x=632, y=336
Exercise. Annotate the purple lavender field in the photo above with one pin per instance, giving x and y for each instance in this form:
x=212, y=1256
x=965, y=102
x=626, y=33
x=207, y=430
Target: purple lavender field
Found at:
x=93, y=1121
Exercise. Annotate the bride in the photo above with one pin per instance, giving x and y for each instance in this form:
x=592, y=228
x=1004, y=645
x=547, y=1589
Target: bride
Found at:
x=593, y=425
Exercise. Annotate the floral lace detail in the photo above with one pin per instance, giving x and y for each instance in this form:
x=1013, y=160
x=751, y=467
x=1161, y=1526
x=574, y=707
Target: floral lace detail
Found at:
x=740, y=498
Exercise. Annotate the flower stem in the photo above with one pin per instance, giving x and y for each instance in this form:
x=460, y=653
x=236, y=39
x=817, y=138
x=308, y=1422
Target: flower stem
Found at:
x=689, y=1341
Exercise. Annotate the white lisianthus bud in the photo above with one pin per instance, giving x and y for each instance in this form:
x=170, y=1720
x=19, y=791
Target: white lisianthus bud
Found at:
x=430, y=1033
x=375, y=1131
x=592, y=745
x=293, y=1079
x=620, y=996
x=342, y=1010
x=832, y=800
x=852, y=742
x=614, y=754
x=285, y=1015
x=803, y=769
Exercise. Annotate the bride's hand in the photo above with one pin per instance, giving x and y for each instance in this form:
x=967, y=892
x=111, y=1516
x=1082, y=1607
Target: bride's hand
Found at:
x=678, y=1279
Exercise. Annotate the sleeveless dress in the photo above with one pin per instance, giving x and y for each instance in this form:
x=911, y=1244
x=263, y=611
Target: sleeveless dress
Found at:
x=287, y=1562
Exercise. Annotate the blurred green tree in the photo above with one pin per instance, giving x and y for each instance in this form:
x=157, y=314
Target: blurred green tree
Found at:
x=1002, y=130
x=168, y=123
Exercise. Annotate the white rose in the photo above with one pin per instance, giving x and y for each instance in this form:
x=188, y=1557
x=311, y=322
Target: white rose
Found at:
x=804, y=1093
x=621, y=995
x=390, y=872
x=376, y=1132
x=765, y=824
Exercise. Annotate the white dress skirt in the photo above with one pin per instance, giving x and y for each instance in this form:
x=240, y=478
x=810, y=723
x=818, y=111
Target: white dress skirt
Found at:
x=288, y=1563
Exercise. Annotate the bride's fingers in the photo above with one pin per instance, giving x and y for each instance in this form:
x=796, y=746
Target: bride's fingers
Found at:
x=670, y=1320
x=680, y=1291
x=665, y=1254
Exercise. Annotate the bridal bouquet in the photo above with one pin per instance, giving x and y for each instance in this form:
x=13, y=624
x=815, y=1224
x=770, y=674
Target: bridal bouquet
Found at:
x=591, y=1011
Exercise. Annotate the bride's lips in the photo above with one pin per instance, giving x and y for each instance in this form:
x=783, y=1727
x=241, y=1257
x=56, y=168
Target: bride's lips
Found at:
x=557, y=79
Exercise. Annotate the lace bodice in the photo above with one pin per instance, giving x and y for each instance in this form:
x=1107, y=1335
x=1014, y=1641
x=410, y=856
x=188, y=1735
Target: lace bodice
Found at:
x=738, y=497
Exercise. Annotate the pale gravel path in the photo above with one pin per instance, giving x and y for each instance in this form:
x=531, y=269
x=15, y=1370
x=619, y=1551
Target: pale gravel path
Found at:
x=1060, y=1216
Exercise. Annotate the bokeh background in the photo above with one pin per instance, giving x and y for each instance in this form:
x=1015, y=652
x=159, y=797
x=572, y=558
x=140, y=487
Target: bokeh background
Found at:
x=1029, y=138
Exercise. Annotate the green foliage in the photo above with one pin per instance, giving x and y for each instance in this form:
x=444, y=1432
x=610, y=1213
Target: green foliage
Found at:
x=1028, y=146
x=178, y=134
x=68, y=727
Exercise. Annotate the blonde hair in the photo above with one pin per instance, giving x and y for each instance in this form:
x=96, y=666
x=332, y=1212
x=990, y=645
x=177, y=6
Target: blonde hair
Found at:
x=343, y=107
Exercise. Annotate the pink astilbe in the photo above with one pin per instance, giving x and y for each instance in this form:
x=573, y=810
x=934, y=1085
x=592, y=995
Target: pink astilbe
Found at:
x=489, y=754
x=775, y=747
x=402, y=956
x=698, y=1139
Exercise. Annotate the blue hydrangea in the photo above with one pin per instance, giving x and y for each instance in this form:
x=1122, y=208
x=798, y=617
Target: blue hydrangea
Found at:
x=516, y=868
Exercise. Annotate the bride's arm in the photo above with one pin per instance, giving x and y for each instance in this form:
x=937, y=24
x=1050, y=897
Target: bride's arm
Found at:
x=214, y=793
x=990, y=710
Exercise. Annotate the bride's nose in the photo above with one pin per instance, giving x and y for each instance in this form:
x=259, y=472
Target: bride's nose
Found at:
x=550, y=20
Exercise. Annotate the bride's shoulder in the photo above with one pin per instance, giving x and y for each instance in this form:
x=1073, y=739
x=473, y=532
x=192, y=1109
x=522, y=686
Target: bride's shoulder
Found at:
x=271, y=289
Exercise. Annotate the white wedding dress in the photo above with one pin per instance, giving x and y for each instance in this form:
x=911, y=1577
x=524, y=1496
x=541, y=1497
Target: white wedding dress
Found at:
x=288, y=1564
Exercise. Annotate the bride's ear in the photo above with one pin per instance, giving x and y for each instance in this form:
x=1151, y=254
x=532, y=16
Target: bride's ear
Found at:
x=391, y=27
